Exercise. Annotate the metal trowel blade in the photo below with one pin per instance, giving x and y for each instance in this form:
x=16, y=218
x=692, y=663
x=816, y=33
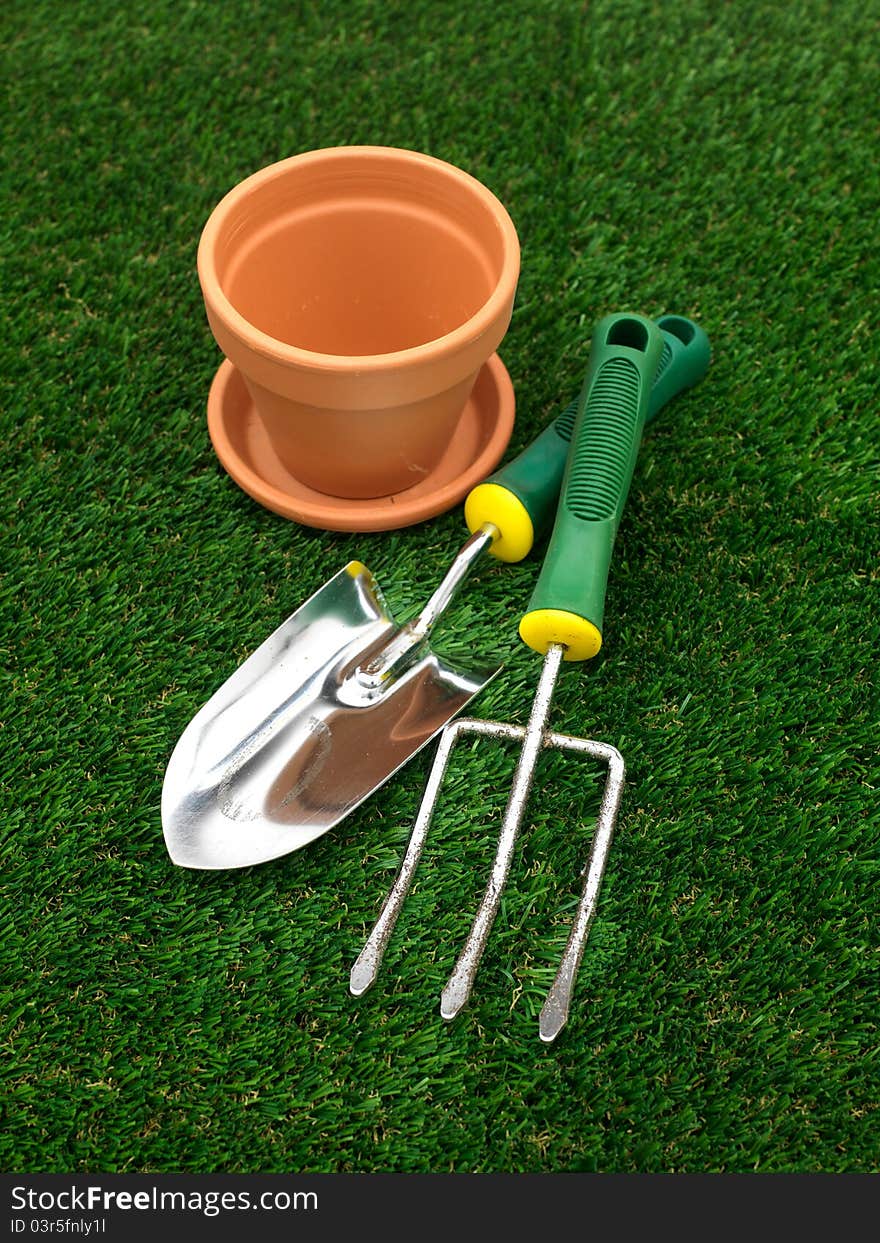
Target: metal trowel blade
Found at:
x=296, y=738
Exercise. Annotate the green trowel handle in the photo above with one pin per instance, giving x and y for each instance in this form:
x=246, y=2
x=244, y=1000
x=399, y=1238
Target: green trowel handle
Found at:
x=568, y=602
x=683, y=363
x=521, y=498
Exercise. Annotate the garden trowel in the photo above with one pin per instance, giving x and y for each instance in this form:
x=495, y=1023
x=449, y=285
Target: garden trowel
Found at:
x=341, y=695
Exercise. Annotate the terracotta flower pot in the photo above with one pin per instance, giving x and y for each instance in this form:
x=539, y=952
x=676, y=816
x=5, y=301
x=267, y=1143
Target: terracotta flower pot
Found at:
x=359, y=290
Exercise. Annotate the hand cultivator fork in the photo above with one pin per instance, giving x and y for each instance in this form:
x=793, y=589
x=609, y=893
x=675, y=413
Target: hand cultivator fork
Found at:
x=563, y=623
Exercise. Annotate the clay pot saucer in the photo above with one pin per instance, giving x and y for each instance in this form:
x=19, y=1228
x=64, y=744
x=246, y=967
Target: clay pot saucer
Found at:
x=246, y=453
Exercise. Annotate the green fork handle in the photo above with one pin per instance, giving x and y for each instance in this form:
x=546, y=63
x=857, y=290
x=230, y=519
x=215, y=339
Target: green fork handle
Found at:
x=568, y=604
x=520, y=499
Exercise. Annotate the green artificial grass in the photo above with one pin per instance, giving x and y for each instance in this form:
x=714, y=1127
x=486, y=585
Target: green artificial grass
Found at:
x=718, y=161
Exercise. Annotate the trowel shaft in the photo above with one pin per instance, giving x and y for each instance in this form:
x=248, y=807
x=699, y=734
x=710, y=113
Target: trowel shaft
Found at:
x=416, y=631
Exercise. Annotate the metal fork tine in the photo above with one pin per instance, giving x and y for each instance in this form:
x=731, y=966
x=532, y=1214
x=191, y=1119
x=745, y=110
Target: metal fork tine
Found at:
x=458, y=988
x=554, y=1014
x=365, y=970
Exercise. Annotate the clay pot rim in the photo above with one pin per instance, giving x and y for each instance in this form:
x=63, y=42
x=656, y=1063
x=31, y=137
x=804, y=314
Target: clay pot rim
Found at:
x=280, y=351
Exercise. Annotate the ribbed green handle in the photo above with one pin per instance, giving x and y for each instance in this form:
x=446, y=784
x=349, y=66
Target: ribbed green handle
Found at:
x=568, y=602
x=526, y=490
